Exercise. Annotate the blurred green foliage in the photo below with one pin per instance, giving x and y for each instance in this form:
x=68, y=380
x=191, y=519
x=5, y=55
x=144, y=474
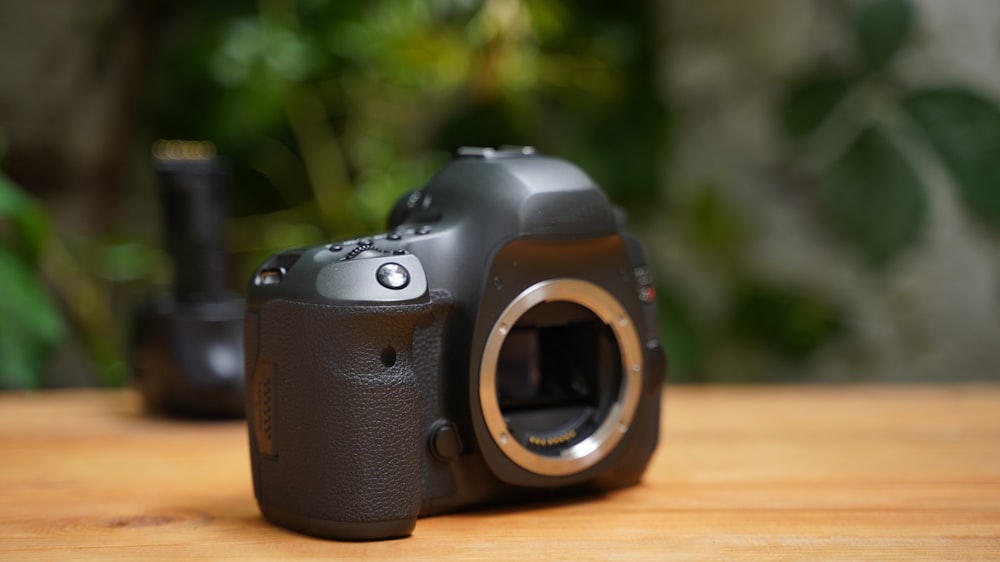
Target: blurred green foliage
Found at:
x=782, y=321
x=329, y=111
x=871, y=189
x=791, y=322
x=964, y=130
x=874, y=198
x=30, y=324
x=881, y=27
x=325, y=112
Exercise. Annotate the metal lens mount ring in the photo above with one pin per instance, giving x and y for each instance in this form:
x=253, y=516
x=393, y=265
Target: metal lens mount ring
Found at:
x=613, y=427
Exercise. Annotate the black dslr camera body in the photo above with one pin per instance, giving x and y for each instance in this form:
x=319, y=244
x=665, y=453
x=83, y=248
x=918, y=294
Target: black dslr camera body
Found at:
x=497, y=344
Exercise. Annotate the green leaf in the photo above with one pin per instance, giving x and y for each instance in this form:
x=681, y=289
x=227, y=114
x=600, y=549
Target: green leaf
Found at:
x=30, y=325
x=810, y=102
x=875, y=199
x=964, y=128
x=881, y=27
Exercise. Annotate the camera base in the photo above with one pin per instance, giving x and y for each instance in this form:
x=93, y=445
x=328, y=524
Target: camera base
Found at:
x=340, y=530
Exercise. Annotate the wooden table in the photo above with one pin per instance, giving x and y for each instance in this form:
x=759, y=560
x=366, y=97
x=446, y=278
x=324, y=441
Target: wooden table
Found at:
x=795, y=472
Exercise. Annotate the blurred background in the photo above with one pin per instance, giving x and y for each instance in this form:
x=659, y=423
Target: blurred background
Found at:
x=817, y=182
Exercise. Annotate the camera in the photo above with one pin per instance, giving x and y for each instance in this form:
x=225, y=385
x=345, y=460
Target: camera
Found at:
x=496, y=344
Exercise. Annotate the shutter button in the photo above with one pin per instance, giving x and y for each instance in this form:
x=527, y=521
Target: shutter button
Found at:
x=393, y=276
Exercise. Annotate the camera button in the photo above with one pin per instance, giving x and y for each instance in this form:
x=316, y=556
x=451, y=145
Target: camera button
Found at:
x=647, y=293
x=393, y=276
x=395, y=236
x=445, y=443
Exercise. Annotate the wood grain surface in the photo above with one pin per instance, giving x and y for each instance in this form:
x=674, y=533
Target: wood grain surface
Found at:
x=788, y=472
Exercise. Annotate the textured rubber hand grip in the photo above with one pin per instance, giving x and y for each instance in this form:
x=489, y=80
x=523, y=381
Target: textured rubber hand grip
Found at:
x=335, y=420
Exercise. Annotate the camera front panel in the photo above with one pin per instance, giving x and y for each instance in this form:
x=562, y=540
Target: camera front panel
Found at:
x=558, y=367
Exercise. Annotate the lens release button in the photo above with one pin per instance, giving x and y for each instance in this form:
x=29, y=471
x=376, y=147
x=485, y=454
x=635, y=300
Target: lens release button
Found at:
x=445, y=443
x=393, y=276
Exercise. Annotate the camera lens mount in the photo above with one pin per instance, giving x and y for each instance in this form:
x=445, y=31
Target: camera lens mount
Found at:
x=561, y=377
